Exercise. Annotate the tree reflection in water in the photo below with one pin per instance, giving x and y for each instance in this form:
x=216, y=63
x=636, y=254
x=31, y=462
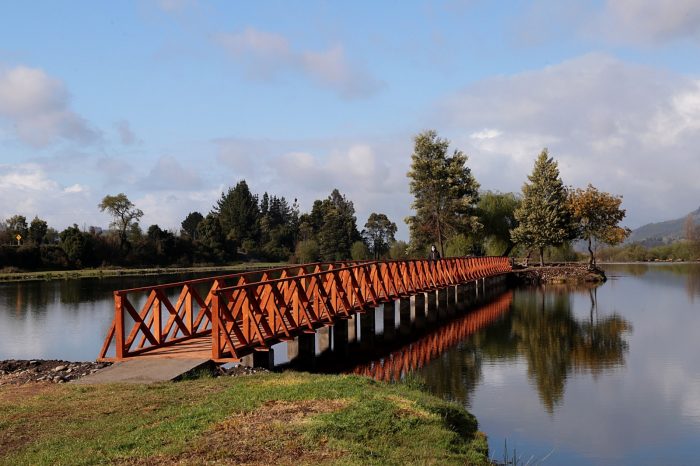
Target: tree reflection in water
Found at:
x=555, y=343
x=542, y=329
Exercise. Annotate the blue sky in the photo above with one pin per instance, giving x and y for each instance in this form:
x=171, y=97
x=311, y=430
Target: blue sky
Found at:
x=173, y=101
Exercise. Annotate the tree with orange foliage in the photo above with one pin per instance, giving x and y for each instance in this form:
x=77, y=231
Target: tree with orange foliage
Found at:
x=596, y=216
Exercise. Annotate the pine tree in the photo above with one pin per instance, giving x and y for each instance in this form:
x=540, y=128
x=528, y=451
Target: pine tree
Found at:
x=238, y=213
x=445, y=193
x=544, y=218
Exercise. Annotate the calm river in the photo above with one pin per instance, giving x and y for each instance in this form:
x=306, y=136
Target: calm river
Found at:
x=609, y=375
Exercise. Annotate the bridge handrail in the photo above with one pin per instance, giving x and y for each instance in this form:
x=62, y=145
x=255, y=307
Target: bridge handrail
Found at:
x=121, y=301
x=351, y=285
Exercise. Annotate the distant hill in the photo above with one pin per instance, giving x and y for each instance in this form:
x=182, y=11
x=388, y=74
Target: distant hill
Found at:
x=654, y=234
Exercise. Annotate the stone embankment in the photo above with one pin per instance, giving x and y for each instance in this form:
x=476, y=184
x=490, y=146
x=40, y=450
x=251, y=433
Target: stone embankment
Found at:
x=558, y=273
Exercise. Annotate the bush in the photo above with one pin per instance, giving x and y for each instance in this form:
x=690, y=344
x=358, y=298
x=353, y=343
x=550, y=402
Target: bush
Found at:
x=359, y=251
x=307, y=251
x=398, y=250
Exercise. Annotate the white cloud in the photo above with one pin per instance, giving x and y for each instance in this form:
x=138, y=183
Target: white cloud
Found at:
x=268, y=56
x=27, y=189
x=627, y=129
x=37, y=107
x=371, y=173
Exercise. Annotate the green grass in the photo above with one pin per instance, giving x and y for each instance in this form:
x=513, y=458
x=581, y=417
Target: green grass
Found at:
x=114, y=272
x=266, y=418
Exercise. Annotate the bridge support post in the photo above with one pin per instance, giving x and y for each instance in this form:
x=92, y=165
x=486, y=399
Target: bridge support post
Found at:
x=419, y=310
x=368, y=328
x=306, y=345
x=389, y=319
x=405, y=316
x=442, y=301
x=340, y=337
x=292, y=349
x=324, y=339
x=431, y=298
x=451, y=299
x=352, y=328
x=264, y=359
x=461, y=297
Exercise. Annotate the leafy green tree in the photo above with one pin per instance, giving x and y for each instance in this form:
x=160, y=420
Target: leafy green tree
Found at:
x=238, y=214
x=17, y=225
x=359, y=251
x=37, y=231
x=445, y=192
x=75, y=244
x=543, y=217
x=497, y=215
x=125, y=215
x=190, y=224
x=398, y=250
x=307, y=251
x=461, y=245
x=379, y=233
x=596, y=217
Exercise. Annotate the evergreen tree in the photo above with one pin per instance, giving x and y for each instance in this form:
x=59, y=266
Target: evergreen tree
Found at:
x=544, y=218
x=238, y=214
x=445, y=193
x=334, y=225
x=190, y=224
x=210, y=236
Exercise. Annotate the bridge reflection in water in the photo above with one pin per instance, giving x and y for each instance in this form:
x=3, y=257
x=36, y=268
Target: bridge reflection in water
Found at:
x=396, y=339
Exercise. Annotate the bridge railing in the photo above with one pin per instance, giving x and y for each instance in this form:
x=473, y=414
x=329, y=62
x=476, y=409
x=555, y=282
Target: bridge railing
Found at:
x=253, y=316
x=253, y=310
x=166, y=314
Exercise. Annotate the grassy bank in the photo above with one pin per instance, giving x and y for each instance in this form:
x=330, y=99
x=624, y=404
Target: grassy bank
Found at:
x=288, y=418
x=109, y=272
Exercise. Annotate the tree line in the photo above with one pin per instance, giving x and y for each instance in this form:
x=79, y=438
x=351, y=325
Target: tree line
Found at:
x=449, y=210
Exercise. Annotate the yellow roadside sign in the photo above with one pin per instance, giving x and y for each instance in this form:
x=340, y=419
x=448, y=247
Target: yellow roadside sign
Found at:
x=18, y=237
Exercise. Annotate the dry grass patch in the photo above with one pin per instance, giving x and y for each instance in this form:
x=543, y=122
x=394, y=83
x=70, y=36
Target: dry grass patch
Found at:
x=271, y=434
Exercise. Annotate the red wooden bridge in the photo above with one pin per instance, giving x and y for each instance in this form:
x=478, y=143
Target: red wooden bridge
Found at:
x=227, y=317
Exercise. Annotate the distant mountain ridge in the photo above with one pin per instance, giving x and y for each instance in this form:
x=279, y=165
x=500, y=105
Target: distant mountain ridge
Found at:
x=654, y=234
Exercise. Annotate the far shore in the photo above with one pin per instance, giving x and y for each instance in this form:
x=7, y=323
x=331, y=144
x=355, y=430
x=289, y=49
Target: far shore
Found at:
x=43, y=275
x=123, y=272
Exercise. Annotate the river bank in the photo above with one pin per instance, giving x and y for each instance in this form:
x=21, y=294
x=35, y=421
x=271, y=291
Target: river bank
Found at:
x=268, y=418
x=14, y=276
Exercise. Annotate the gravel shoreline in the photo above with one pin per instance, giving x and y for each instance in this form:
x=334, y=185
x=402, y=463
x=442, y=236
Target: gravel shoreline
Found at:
x=17, y=372
x=24, y=371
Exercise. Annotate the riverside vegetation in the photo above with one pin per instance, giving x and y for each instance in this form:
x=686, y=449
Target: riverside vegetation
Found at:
x=449, y=209
x=269, y=418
